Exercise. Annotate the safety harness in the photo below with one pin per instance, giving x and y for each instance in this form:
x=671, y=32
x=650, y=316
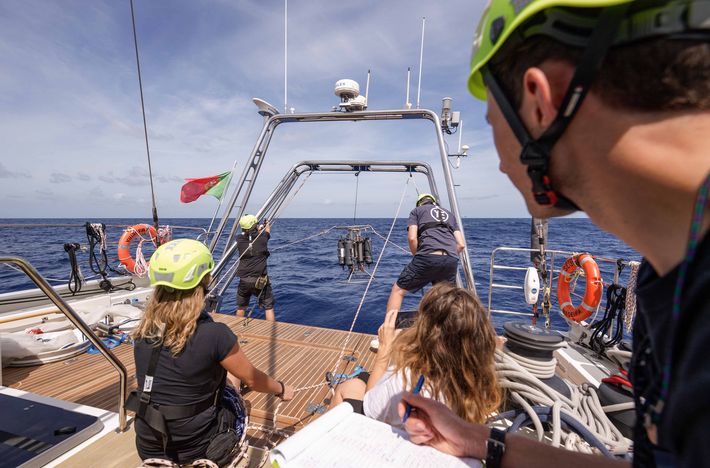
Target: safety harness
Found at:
x=157, y=415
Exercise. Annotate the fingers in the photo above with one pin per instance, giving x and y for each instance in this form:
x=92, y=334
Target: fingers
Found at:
x=390, y=318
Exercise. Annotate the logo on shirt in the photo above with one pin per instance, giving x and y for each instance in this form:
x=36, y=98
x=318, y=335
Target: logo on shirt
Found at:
x=439, y=214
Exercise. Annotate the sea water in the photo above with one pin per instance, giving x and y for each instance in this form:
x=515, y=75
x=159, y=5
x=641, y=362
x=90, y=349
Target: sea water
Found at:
x=309, y=286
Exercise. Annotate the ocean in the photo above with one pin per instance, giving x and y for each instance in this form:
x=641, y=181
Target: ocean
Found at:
x=309, y=286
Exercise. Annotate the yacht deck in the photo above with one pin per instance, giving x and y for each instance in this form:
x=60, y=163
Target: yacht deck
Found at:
x=297, y=354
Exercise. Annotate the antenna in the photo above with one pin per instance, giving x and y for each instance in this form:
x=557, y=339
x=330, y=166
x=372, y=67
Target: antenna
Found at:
x=285, y=56
x=367, y=87
x=421, y=60
x=460, y=133
x=408, y=104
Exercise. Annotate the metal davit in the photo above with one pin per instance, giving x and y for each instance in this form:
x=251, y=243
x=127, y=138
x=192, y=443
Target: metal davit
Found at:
x=235, y=208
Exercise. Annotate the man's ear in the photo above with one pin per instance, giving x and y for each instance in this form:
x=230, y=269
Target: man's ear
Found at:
x=538, y=108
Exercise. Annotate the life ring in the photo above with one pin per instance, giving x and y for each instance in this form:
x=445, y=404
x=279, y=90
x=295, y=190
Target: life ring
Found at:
x=592, y=290
x=124, y=243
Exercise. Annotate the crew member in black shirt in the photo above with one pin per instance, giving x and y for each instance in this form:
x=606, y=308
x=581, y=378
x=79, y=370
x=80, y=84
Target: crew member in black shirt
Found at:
x=435, y=241
x=253, y=245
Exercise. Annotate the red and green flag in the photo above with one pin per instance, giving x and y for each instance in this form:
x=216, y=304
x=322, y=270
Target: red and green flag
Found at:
x=195, y=188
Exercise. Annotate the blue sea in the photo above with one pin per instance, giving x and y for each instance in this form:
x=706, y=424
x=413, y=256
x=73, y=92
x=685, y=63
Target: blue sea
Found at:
x=309, y=286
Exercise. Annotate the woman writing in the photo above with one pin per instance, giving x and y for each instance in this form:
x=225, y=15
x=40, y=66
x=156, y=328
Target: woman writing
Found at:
x=451, y=344
x=192, y=355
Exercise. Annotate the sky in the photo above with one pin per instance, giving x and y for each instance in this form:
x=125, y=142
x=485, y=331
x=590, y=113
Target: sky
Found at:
x=71, y=130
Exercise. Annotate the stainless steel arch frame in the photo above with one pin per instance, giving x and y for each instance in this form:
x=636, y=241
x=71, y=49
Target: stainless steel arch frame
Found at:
x=251, y=170
x=274, y=202
x=66, y=309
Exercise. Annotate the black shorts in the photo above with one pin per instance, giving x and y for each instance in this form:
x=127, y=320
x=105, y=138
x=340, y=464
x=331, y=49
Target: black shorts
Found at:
x=357, y=404
x=428, y=268
x=247, y=287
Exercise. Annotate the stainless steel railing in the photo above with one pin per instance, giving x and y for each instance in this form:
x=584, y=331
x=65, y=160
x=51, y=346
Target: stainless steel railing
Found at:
x=66, y=309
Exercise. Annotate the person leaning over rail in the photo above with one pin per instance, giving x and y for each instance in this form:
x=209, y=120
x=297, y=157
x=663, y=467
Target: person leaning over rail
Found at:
x=192, y=356
x=253, y=245
x=435, y=241
x=451, y=343
x=634, y=154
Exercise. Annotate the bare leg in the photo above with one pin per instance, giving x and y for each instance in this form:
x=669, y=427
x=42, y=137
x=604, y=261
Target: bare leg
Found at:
x=353, y=388
x=240, y=312
x=396, y=298
x=270, y=315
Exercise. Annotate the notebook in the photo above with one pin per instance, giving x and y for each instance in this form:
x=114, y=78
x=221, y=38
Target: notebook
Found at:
x=342, y=438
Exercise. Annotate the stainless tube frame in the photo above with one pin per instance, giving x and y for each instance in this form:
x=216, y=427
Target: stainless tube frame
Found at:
x=274, y=202
x=251, y=170
x=66, y=309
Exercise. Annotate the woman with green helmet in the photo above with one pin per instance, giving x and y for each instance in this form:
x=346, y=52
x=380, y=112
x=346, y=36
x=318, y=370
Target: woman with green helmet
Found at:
x=603, y=106
x=189, y=354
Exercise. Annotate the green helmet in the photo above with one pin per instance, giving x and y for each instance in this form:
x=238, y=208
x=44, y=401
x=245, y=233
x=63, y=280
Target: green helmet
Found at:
x=424, y=196
x=248, y=221
x=180, y=264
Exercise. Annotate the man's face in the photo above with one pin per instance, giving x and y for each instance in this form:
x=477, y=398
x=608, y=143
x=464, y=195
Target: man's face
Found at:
x=509, y=150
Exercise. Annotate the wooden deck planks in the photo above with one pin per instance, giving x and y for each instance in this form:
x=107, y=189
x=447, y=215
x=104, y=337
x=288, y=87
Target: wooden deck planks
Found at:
x=299, y=355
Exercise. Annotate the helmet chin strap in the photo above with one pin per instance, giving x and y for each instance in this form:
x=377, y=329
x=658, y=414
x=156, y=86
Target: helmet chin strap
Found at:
x=535, y=153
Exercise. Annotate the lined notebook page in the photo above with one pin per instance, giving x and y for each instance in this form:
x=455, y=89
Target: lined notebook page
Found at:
x=341, y=438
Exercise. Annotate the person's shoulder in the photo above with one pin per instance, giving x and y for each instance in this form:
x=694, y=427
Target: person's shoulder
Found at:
x=210, y=327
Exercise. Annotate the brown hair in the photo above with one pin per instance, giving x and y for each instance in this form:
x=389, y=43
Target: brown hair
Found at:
x=654, y=75
x=452, y=343
x=171, y=317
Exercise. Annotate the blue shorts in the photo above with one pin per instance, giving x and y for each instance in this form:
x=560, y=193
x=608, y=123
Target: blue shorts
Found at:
x=428, y=268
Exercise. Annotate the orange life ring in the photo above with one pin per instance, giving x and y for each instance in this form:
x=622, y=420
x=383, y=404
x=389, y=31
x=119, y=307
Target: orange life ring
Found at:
x=124, y=244
x=592, y=290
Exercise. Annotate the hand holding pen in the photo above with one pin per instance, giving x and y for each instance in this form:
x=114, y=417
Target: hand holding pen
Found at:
x=417, y=389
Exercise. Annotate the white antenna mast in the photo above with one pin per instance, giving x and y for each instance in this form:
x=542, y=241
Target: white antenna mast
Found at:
x=421, y=59
x=285, y=56
x=367, y=87
x=408, y=104
x=460, y=133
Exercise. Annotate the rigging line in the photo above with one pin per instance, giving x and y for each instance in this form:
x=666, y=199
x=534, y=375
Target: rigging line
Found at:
x=273, y=220
x=389, y=241
x=357, y=189
x=372, y=277
x=145, y=125
x=321, y=233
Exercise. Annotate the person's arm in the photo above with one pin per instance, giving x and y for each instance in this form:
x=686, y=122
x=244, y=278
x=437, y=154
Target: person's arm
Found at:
x=237, y=364
x=385, y=335
x=267, y=226
x=412, y=238
x=432, y=423
x=460, y=244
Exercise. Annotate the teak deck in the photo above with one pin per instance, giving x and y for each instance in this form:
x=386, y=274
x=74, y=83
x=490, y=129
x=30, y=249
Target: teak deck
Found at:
x=299, y=355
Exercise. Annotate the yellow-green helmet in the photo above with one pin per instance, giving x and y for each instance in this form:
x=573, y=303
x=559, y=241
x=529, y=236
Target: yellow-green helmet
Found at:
x=424, y=196
x=502, y=17
x=180, y=264
x=248, y=221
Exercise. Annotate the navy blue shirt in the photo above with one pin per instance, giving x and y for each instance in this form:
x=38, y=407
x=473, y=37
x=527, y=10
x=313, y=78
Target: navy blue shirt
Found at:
x=434, y=238
x=684, y=430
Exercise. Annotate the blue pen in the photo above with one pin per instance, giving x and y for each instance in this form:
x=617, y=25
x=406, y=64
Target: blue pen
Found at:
x=417, y=389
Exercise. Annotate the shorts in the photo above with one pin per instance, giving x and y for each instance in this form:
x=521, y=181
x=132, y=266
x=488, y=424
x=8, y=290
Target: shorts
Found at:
x=357, y=404
x=247, y=287
x=428, y=268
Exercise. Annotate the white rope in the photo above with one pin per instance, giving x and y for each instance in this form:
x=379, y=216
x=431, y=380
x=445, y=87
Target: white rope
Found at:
x=631, y=296
x=582, y=405
x=321, y=233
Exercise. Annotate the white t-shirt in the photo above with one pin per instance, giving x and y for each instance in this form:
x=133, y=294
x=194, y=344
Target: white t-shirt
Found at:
x=381, y=401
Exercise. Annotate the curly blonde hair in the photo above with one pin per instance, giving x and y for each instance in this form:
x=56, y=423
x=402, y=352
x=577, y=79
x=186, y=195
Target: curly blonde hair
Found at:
x=170, y=317
x=452, y=343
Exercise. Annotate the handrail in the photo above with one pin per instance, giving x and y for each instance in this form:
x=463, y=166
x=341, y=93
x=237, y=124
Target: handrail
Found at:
x=66, y=309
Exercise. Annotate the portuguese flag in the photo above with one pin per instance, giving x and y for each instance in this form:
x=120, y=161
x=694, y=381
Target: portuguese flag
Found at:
x=195, y=188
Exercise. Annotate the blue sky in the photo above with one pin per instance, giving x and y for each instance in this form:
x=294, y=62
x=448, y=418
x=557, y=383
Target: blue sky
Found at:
x=71, y=128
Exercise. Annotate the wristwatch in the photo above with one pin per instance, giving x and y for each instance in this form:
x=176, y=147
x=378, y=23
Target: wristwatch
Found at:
x=283, y=390
x=495, y=448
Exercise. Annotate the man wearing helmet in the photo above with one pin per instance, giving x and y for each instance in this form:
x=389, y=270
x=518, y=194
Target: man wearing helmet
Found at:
x=253, y=245
x=435, y=241
x=604, y=106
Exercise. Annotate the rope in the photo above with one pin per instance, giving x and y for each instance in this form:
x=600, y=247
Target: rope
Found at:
x=583, y=406
x=631, y=296
x=76, y=278
x=357, y=189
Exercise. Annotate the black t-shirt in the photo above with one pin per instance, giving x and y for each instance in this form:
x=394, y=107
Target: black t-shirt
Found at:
x=188, y=378
x=437, y=237
x=684, y=430
x=253, y=259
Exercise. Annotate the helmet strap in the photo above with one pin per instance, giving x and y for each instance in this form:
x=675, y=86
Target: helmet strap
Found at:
x=535, y=153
